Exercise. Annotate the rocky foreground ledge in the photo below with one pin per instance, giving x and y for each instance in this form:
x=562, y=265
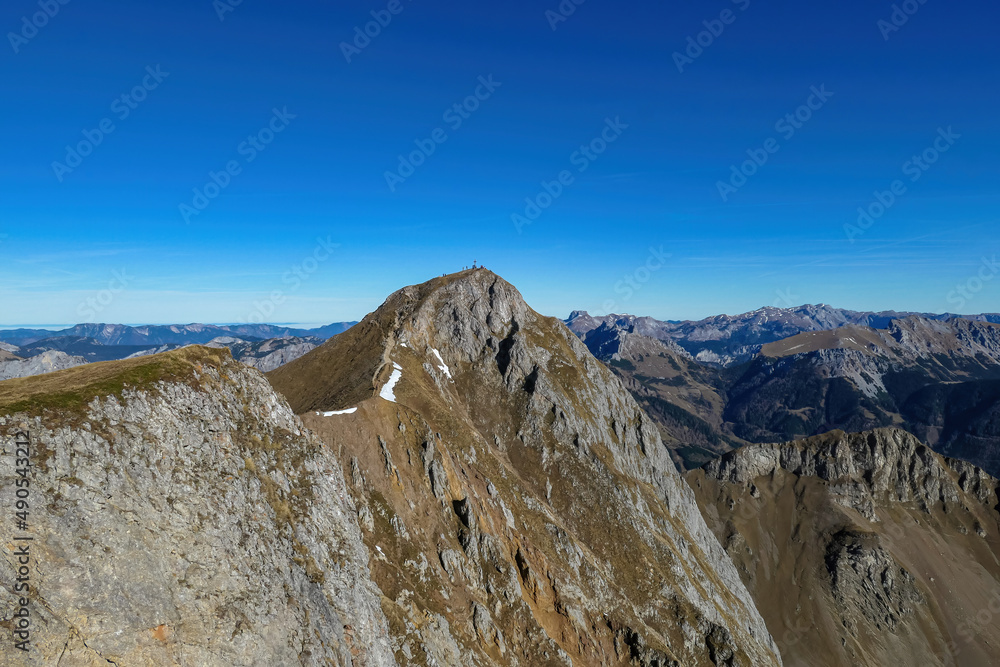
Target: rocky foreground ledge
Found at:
x=180, y=515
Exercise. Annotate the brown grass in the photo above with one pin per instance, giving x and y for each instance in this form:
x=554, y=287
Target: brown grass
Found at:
x=850, y=337
x=74, y=388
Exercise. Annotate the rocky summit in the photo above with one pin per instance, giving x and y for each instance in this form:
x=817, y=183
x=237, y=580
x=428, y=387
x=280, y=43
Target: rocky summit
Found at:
x=520, y=507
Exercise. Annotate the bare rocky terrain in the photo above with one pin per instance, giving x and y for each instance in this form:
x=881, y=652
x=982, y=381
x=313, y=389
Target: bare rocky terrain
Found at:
x=12, y=366
x=862, y=549
x=267, y=355
x=183, y=516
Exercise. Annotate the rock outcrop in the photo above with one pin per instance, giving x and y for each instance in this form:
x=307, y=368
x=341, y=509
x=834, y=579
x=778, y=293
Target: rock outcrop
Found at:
x=47, y=362
x=267, y=355
x=862, y=549
x=181, y=515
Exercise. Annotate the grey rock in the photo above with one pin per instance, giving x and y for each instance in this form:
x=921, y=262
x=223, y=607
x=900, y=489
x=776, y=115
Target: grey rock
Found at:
x=269, y=354
x=47, y=362
x=191, y=524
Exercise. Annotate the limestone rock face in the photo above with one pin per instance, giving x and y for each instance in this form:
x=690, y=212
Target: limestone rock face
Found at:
x=266, y=355
x=521, y=509
x=189, y=520
x=862, y=549
x=881, y=465
x=47, y=362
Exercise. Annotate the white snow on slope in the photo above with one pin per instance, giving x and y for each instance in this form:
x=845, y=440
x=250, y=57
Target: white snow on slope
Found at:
x=387, y=391
x=348, y=411
x=443, y=367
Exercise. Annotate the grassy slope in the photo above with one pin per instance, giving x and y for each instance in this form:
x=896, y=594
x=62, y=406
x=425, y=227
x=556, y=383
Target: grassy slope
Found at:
x=74, y=388
x=850, y=337
x=341, y=372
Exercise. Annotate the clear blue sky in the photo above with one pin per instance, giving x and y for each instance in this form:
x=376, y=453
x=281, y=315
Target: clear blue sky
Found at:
x=778, y=239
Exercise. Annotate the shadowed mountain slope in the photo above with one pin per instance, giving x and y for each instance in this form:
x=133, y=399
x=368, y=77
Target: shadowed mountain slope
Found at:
x=862, y=549
x=938, y=379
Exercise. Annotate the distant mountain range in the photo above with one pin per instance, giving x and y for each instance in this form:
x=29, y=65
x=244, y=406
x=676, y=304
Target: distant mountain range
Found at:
x=178, y=334
x=27, y=352
x=725, y=340
x=938, y=378
x=713, y=385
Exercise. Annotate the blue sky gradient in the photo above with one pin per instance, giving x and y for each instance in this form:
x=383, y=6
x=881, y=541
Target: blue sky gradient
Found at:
x=262, y=249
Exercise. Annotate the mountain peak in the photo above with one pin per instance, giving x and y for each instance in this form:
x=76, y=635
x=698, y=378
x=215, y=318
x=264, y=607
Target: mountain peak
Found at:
x=464, y=409
x=476, y=291
x=453, y=314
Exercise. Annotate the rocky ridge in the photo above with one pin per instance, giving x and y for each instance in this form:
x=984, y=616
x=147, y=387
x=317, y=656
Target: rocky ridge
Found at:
x=182, y=515
x=536, y=511
x=863, y=548
x=726, y=340
x=47, y=362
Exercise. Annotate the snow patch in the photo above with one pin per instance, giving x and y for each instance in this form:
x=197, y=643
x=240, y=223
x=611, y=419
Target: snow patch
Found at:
x=443, y=367
x=388, y=391
x=348, y=411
